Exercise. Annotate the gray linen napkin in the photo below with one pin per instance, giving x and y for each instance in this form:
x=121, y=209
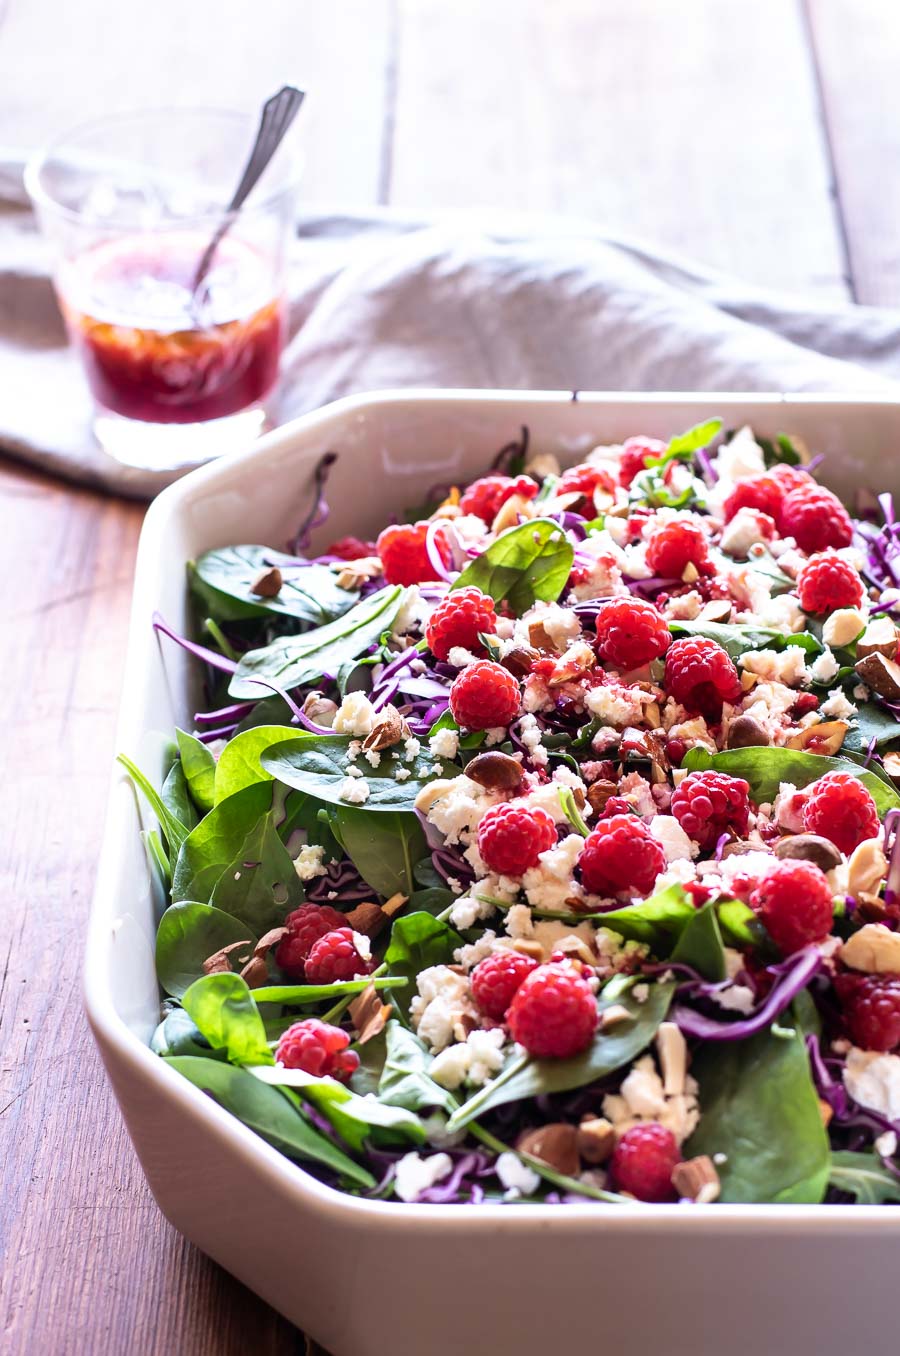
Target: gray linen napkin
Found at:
x=474, y=299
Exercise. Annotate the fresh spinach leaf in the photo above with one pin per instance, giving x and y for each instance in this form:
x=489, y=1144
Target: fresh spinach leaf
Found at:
x=684, y=445
x=299, y=995
x=383, y=848
x=766, y=768
x=433, y=899
x=405, y=1080
x=737, y=640
x=223, y=1009
x=612, y=1049
x=188, y=935
x=759, y=1107
x=176, y=796
x=294, y=661
x=269, y=1113
x=356, y=1119
x=863, y=1176
x=473, y=740
x=223, y=579
x=524, y=565
x=317, y=764
x=418, y=941
x=872, y=722
x=658, y=921
x=739, y=924
x=175, y=830
x=239, y=764
x=216, y=842
x=177, y=1034
x=199, y=768
x=700, y=944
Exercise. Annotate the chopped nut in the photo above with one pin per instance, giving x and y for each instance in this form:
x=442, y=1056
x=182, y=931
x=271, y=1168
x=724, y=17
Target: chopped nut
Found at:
x=526, y=947
x=394, y=904
x=514, y=508
x=615, y=1014
x=871, y=907
x=267, y=584
x=576, y=947
x=718, y=610
x=369, y=1014
x=595, y=1139
x=389, y=729
x=826, y=737
x=842, y=627
x=495, y=771
x=826, y=1111
x=368, y=919
x=555, y=1144
x=809, y=847
x=599, y=793
x=747, y=733
x=652, y=715
x=255, y=973
x=320, y=709
x=354, y=573
x=748, y=680
x=891, y=764
x=879, y=637
x=520, y=660
x=219, y=962
x=541, y=639
x=882, y=675
x=431, y=792
x=875, y=950
x=542, y=464
x=672, y=1049
x=737, y=848
x=867, y=868
x=690, y=574
x=577, y=660
x=696, y=1179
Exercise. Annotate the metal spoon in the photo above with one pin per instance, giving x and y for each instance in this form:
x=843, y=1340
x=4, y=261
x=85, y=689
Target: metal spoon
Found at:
x=277, y=115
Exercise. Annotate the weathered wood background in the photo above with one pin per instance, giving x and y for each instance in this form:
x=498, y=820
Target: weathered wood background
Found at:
x=761, y=139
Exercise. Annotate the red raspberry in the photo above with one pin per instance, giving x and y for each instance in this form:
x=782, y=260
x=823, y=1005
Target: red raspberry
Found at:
x=335, y=957
x=496, y=979
x=512, y=836
x=763, y=493
x=317, y=1049
x=791, y=478
x=806, y=702
x=701, y=675
x=616, y=805
x=487, y=496
x=826, y=582
x=643, y=1162
x=458, y=619
x=706, y=804
x=816, y=519
x=620, y=855
x=484, y=696
x=675, y=751
x=794, y=903
x=304, y=928
x=584, y=480
x=553, y=1013
x=635, y=454
x=840, y=807
x=404, y=558
x=675, y=545
x=351, y=548
x=630, y=632
x=871, y=1005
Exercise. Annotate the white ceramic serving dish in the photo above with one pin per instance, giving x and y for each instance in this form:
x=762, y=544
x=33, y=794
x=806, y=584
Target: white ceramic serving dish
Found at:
x=364, y=1278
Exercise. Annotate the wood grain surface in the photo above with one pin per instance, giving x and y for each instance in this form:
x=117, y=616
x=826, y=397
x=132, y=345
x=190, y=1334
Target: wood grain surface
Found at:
x=759, y=139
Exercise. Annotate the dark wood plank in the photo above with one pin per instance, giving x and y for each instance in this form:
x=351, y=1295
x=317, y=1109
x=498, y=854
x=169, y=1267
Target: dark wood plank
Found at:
x=694, y=127
x=91, y=1267
x=857, y=47
x=63, y=64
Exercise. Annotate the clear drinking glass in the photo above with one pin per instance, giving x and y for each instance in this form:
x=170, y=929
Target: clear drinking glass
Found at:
x=130, y=204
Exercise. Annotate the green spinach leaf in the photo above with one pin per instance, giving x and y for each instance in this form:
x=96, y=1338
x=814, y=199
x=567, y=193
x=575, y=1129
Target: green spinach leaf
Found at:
x=766, y=768
x=760, y=1108
x=872, y=722
x=863, y=1176
x=658, y=921
x=188, y=935
x=269, y=1113
x=223, y=579
x=199, y=768
x=700, y=944
x=175, y=830
x=294, y=661
x=524, y=565
x=356, y=1119
x=299, y=995
x=405, y=1080
x=239, y=764
x=177, y=798
x=317, y=765
x=737, y=640
x=177, y=1034
x=418, y=941
x=223, y=1009
x=383, y=848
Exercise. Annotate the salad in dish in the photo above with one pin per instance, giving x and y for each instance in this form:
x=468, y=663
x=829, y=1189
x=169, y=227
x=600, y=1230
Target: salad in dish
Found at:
x=544, y=848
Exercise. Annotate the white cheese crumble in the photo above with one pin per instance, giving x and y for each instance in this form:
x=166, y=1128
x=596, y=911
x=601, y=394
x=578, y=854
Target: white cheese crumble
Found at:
x=873, y=1080
x=838, y=706
x=516, y=1176
x=355, y=716
x=460, y=657
x=473, y=1061
x=442, y=1007
x=354, y=790
x=616, y=705
x=550, y=884
x=823, y=668
x=675, y=842
x=445, y=744
x=786, y=666
x=414, y=1174
x=468, y=911
x=411, y=749
x=531, y=734
x=308, y=862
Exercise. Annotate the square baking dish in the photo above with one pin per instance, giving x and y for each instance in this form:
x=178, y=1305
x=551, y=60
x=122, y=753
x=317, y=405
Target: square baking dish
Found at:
x=364, y=1278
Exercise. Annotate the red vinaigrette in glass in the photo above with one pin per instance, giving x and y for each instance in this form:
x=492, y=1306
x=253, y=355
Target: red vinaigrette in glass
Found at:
x=153, y=354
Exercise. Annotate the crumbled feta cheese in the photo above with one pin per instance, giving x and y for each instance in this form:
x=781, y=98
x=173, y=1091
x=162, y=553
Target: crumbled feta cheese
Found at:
x=550, y=884
x=355, y=791
x=469, y=910
x=860, y=693
x=823, y=668
x=734, y=998
x=518, y=922
x=553, y=935
x=363, y=945
x=675, y=842
x=843, y=626
x=741, y=457
x=445, y=744
x=472, y=1061
x=411, y=749
x=838, y=706
x=787, y=666
x=560, y=623
x=355, y=716
x=642, y=1097
x=442, y=1007
x=886, y=1144
x=616, y=705
x=873, y=1080
x=308, y=862
x=516, y=1176
x=530, y=734
x=372, y=757
x=353, y=771
x=640, y=993
x=460, y=657
x=456, y=805
x=746, y=528
x=473, y=953
x=402, y=774
x=495, y=735
x=414, y=1174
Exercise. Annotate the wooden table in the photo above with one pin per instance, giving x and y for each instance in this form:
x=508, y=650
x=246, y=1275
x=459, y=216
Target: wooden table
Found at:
x=761, y=139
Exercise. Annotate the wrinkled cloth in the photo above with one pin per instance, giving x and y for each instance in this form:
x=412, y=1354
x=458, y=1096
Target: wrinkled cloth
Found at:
x=379, y=299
